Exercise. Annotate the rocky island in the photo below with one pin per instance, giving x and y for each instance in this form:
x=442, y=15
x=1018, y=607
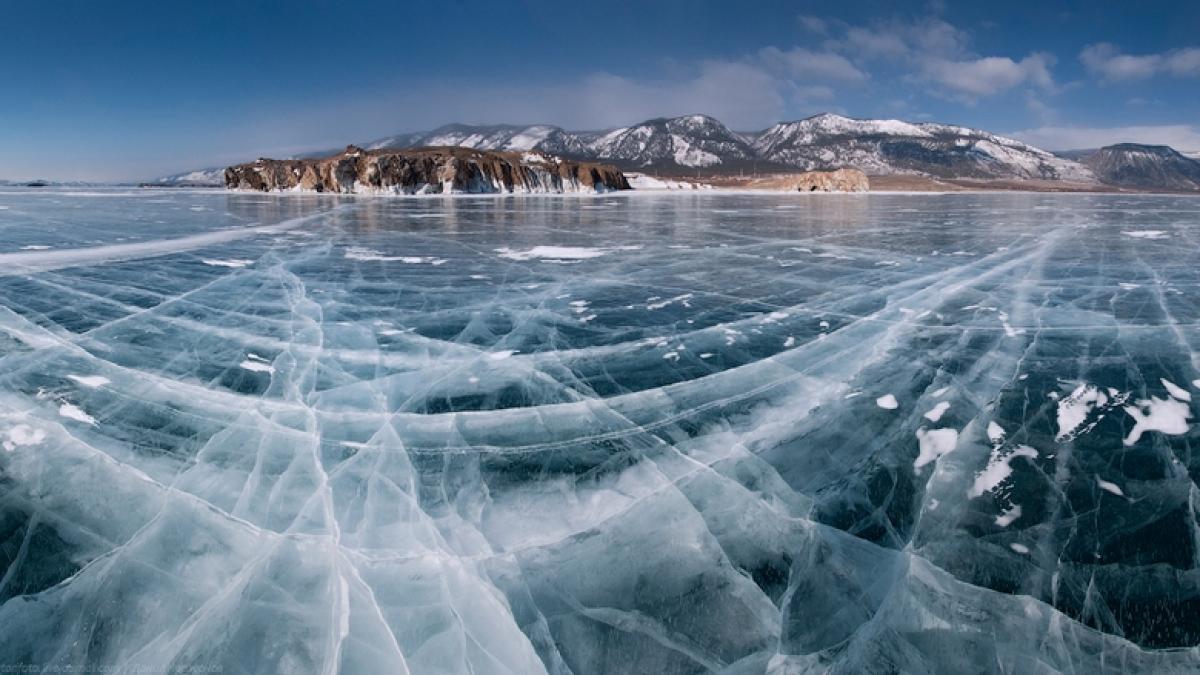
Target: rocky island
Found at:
x=430, y=170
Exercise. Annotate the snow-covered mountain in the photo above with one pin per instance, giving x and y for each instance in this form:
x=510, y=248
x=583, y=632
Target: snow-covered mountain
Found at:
x=892, y=146
x=1143, y=166
x=699, y=143
x=821, y=142
x=544, y=137
x=691, y=141
x=202, y=177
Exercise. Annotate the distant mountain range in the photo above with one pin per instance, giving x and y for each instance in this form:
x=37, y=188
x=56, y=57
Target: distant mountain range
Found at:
x=699, y=144
x=199, y=178
x=1132, y=165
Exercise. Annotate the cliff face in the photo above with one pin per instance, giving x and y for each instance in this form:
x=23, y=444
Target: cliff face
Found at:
x=838, y=180
x=426, y=171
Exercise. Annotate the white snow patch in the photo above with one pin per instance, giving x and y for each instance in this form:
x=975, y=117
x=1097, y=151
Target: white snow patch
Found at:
x=73, y=412
x=552, y=253
x=256, y=366
x=1176, y=391
x=1146, y=234
x=1008, y=517
x=1019, y=548
x=1167, y=416
x=235, y=262
x=22, y=435
x=360, y=253
x=934, y=443
x=670, y=301
x=995, y=432
x=1073, y=410
x=937, y=412
x=501, y=355
x=998, y=469
x=90, y=381
x=887, y=402
x=1110, y=487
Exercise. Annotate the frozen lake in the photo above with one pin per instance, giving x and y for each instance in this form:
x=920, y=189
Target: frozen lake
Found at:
x=630, y=433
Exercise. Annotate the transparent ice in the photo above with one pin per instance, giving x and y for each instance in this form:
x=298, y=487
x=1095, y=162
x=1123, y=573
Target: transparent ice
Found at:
x=614, y=434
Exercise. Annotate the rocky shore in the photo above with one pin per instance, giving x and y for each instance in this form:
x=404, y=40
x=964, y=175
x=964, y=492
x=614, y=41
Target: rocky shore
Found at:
x=441, y=170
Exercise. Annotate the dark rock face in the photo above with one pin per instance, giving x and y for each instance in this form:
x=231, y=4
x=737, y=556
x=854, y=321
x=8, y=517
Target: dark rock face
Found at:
x=425, y=171
x=1154, y=167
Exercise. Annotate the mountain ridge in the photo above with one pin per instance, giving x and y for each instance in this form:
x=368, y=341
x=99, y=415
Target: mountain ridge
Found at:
x=698, y=144
x=701, y=143
x=1138, y=165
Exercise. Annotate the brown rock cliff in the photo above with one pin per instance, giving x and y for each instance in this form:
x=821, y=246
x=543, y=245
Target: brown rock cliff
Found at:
x=425, y=171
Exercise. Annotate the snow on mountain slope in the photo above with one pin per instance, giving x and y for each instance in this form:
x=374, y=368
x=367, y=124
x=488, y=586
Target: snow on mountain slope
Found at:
x=1144, y=166
x=200, y=177
x=891, y=146
x=547, y=138
x=690, y=141
x=701, y=143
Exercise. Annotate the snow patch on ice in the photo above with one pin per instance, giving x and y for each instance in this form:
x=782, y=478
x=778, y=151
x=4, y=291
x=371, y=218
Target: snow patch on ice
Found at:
x=933, y=443
x=1109, y=487
x=1075, y=408
x=1175, y=390
x=22, y=435
x=73, y=412
x=887, y=402
x=1168, y=416
x=90, y=381
x=552, y=253
x=1009, y=517
x=256, y=366
x=937, y=412
x=235, y=262
x=998, y=469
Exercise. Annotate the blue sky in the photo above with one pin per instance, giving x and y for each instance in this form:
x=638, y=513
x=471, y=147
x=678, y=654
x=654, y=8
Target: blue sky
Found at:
x=132, y=90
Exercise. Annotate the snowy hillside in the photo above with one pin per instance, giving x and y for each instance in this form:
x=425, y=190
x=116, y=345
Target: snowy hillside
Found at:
x=892, y=146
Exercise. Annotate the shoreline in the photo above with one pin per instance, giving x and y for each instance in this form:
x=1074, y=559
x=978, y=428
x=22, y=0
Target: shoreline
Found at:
x=134, y=191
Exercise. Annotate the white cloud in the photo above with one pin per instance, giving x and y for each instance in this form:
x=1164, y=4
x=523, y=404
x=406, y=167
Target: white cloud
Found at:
x=990, y=75
x=915, y=40
x=739, y=94
x=813, y=24
x=872, y=44
x=935, y=51
x=1107, y=61
x=1183, y=137
x=800, y=63
x=1184, y=62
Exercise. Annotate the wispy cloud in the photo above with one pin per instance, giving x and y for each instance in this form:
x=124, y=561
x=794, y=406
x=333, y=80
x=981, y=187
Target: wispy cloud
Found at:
x=937, y=53
x=975, y=78
x=1107, y=61
x=802, y=64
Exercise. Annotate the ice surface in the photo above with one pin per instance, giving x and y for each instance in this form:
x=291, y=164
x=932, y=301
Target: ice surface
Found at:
x=668, y=433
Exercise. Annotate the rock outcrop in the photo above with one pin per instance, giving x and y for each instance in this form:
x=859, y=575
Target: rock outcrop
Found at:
x=426, y=171
x=838, y=180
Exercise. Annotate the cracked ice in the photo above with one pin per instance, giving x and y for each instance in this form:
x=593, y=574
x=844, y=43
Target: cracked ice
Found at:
x=662, y=433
